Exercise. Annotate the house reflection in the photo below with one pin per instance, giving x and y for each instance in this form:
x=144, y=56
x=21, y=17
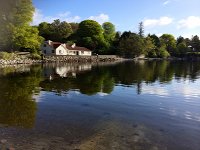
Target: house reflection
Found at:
x=71, y=70
x=64, y=71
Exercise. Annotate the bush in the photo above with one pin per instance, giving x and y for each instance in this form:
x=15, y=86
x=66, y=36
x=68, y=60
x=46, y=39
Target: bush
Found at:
x=7, y=56
x=152, y=54
x=35, y=56
x=163, y=53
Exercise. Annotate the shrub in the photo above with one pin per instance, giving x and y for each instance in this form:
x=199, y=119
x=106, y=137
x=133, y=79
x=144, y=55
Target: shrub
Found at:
x=7, y=56
x=35, y=56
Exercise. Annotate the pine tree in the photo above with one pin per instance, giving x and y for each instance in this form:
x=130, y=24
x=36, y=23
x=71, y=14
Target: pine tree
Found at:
x=141, y=29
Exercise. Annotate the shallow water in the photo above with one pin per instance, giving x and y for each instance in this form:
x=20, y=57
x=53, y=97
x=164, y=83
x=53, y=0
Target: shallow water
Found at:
x=152, y=105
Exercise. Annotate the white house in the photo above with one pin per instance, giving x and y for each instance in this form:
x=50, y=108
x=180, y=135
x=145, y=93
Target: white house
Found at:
x=56, y=48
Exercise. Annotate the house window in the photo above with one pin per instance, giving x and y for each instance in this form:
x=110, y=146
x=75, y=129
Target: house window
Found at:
x=82, y=52
x=74, y=52
x=53, y=51
x=60, y=51
x=45, y=51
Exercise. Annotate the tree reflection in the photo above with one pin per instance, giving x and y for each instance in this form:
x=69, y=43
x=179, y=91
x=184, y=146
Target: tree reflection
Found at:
x=88, y=82
x=17, y=107
x=130, y=73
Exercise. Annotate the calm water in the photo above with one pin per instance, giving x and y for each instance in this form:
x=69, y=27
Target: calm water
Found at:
x=142, y=105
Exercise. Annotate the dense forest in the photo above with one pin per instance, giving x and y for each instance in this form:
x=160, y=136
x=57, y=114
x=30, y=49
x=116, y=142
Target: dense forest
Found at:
x=17, y=34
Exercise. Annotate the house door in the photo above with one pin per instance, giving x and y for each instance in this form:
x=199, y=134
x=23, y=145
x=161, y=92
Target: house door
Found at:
x=77, y=53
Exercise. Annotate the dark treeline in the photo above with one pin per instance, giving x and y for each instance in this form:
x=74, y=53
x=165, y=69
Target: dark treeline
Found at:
x=16, y=34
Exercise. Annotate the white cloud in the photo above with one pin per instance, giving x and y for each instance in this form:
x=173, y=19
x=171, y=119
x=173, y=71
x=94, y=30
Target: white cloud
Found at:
x=162, y=21
x=166, y=2
x=190, y=22
x=187, y=35
x=65, y=16
x=159, y=34
x=100, y=18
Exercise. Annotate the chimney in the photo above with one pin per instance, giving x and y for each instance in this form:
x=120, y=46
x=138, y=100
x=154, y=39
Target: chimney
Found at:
x=74, y=45
x=49, y=42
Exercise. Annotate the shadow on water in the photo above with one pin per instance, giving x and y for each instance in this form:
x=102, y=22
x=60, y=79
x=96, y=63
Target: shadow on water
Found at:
x=90, y=106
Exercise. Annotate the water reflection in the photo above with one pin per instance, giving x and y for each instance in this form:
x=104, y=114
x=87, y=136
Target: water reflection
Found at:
x=19, y=84
x=137, y=105
x=17, y=107
x=84, y=78
x=92, y=80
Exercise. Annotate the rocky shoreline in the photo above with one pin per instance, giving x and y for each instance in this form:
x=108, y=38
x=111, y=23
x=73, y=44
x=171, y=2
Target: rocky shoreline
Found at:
x=79, y=59
x=19, y=61
x=52, y=59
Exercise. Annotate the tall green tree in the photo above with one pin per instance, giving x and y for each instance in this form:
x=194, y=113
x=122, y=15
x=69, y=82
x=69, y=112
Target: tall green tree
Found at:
x=182, y=48
x=170, y=42
x=44, y=30
x=90, y=35
x=162, y=52
x=131, y=45
x=179, y=40
x=155, y=39
x=6, y=18
x=109, y=31
x=74, y=26
x=60, y=31
x=148, y=45
x=55, y=31
x=16, y=20
x=195, y=43
x=141, y=29
x=27, y=38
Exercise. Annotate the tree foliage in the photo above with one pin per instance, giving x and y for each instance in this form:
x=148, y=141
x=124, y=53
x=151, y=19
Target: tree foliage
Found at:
x=90, y=35
x=74, y=26
x=60, y=31
x=44, y=30
x=141, y=29
x=195, y=43
x=131, y=45
x=26, y=38
x=109, y=31
x=17, y=34
x=169, y=41
x=15, y=26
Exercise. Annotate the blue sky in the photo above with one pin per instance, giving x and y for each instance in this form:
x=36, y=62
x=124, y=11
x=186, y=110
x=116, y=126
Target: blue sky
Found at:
x=177, y=17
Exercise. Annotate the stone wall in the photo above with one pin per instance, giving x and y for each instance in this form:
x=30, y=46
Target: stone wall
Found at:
x=80, y=58
x=18, y=61
x=46, y=59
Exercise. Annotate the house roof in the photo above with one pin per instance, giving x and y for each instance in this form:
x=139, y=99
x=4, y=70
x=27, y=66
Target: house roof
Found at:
x=77, y=48
x=55, y=44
